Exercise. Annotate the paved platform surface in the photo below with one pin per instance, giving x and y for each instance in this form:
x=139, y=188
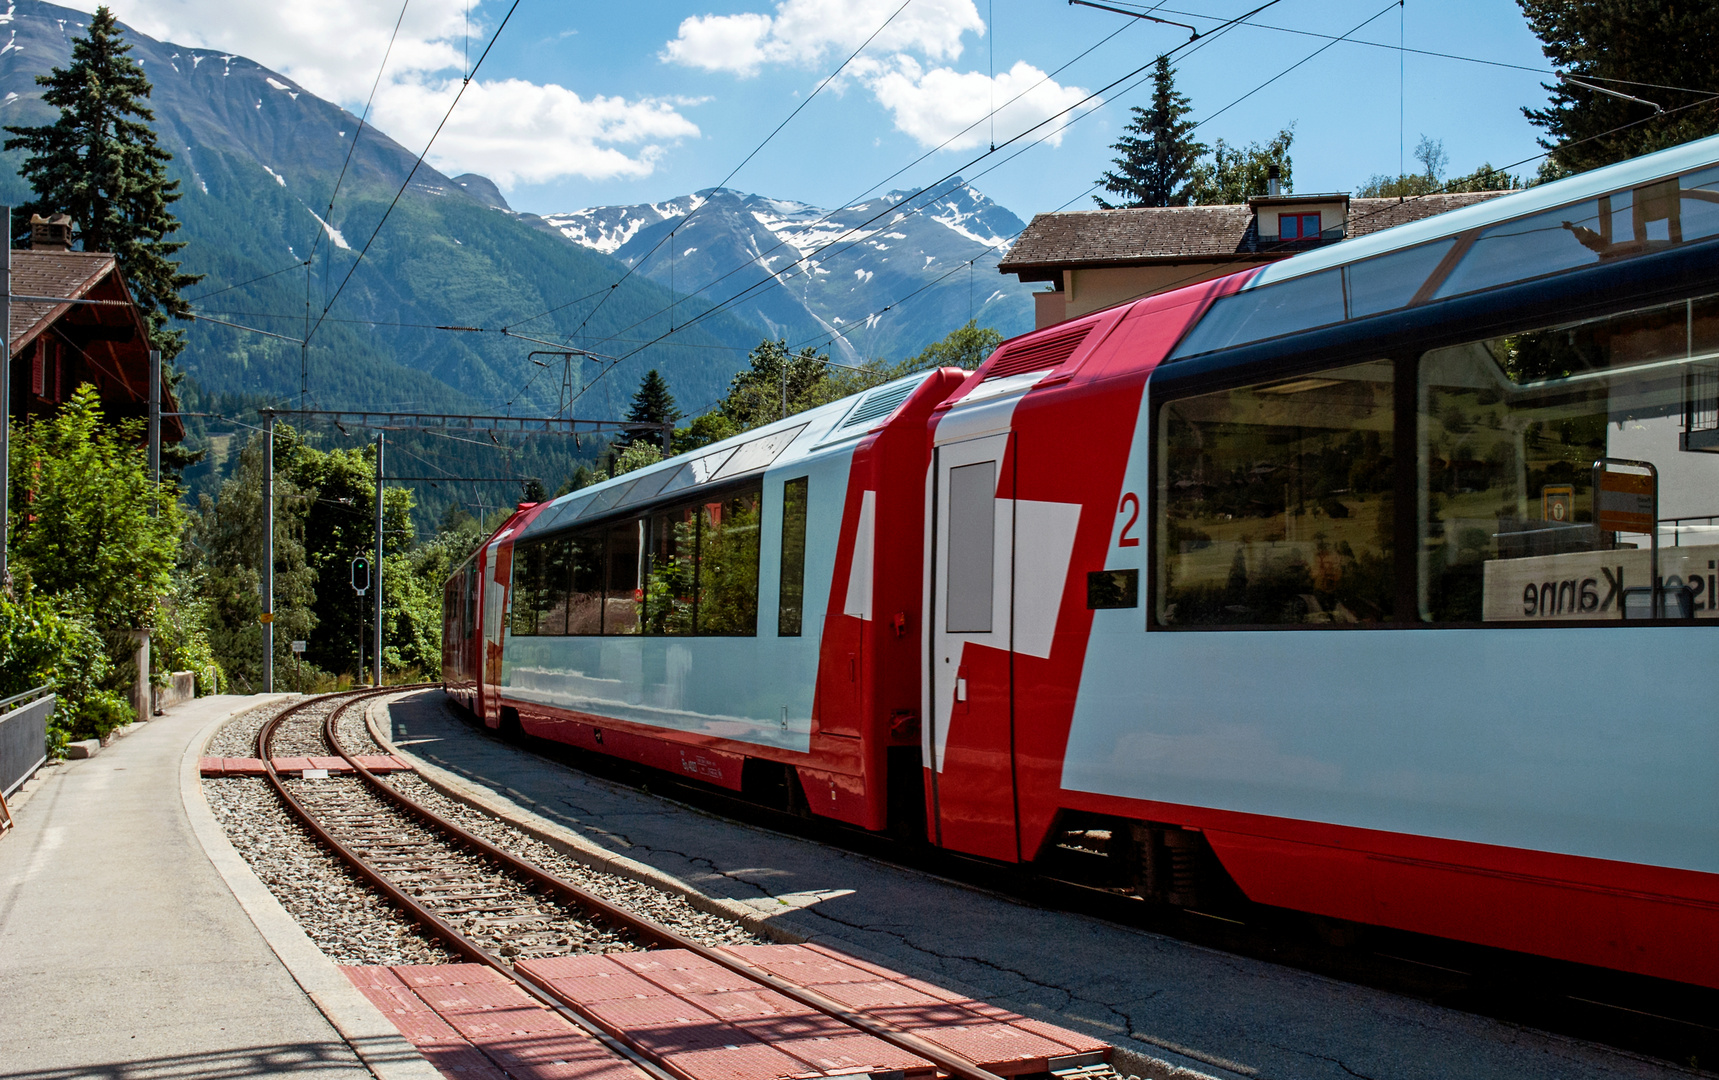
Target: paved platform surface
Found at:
x=1212, y=1013
x=123, y=954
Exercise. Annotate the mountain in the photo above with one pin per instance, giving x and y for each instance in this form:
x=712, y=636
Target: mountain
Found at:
x=258, y=157
x=729, y=244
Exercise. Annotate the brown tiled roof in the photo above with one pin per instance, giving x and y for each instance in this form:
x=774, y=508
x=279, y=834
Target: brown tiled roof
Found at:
x=1191, y=233
x=51, y=273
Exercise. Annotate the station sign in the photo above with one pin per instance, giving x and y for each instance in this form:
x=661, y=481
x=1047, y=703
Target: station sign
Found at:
x=1624, y=502
x=1583, y=585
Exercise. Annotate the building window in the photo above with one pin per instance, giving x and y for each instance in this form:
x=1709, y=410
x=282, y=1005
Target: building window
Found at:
x=1276, y=502
x=1298, y=226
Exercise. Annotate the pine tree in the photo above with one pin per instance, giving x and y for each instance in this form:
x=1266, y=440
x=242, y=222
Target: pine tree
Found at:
x=1158, y=154
x=100, y=163
x=653, y=404
x=1666, y=43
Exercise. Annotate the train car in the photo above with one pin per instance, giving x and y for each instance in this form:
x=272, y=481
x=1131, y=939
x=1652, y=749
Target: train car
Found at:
x=1368, y=584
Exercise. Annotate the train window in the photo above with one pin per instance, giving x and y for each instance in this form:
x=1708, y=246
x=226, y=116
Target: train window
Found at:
x=702, y=568
x=728, y=566
x=527, y=588
x=972, y=547
x=1254, y=314
x=1276, y=502
x=1625, y=223
x=1510, y=429
x=585, y=583
x=672, y=566
x=621, y=591
x=792, y=594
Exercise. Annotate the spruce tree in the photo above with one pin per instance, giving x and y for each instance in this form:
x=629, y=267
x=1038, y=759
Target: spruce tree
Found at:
x=653, y=404
x=100, y=163
x=1654, y=44
x=1157, y=152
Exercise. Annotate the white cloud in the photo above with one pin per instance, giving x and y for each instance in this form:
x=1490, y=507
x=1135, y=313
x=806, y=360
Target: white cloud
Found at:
x=905, y=67
x=805, y=31
x=512, y=130
x=935, y=105
x=507, y=129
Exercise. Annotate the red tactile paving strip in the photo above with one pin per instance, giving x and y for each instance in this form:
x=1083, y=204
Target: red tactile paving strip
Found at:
x=472, y=1024
x=701, y=1021
x=376, y=763
x=1003, y=1042
x=704, y=1022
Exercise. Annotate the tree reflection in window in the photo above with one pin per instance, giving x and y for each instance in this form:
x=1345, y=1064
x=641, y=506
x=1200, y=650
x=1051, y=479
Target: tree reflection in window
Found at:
x=1277, y=502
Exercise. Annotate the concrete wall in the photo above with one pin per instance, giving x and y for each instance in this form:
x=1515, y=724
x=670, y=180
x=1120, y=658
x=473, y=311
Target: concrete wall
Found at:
x=181, y=686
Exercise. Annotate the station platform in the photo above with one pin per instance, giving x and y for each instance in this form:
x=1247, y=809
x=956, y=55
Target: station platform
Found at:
x=130, y=944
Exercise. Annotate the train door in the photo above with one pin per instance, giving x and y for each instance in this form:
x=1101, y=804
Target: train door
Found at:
x=972, y=737
x=494, y=601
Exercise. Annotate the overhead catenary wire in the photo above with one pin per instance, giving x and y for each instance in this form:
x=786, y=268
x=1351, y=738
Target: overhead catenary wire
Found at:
x=416, y=165
x=732, y=172
x=1072, y=112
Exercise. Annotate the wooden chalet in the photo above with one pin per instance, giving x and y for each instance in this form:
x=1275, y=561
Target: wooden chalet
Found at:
x=57, y=347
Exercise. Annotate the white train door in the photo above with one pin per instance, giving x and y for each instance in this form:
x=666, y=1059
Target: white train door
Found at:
x=971, y=737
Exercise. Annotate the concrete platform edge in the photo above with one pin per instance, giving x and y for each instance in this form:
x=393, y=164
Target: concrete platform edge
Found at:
x=572, y=844
x=1128, y=1060
x=371, y=1035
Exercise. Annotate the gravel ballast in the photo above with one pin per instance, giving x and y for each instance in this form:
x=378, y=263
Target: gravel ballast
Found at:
x=348, y=919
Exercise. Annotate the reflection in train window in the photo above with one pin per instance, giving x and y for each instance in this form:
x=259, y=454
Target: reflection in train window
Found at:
x=1510, y=429
x=1276, y=502
x=702, y=567
x=621, y=592
x=792, y=592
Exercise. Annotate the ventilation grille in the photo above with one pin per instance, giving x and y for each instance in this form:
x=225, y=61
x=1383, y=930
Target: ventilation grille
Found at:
x=880, y=403
x=1046, y=352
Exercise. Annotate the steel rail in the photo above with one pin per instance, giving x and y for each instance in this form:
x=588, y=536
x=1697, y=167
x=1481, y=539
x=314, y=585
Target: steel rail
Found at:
x=437, y=926
x=648, y=930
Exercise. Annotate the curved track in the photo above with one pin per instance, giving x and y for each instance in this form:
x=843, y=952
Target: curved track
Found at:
x=491, y=906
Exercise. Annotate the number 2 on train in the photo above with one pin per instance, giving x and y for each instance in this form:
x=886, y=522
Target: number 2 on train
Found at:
x=1129, y=499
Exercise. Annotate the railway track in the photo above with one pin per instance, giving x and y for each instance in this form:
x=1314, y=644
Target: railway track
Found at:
x=494, y=908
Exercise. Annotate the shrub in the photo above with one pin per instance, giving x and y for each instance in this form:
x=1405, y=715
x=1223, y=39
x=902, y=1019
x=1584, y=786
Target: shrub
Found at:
x=41, y=644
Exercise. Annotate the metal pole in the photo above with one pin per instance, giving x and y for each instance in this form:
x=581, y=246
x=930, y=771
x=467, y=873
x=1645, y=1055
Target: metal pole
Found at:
x=377, y=651
x=269, y=559
x=155, y=428
x=6, y=399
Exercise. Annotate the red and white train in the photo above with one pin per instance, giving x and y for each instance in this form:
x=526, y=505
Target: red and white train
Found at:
x=1294, y=573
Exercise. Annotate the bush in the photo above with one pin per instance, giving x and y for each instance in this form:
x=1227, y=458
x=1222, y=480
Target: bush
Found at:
x=41, y=644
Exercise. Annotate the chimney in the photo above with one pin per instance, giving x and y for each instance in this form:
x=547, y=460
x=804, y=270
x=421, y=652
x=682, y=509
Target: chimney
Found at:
x=50, y=233
x=1272, y=186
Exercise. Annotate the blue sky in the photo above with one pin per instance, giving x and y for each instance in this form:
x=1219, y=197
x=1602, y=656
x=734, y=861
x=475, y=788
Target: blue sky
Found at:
x=588, y=104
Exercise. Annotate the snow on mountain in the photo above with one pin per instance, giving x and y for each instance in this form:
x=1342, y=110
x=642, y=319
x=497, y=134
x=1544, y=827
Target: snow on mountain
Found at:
x=833, y=269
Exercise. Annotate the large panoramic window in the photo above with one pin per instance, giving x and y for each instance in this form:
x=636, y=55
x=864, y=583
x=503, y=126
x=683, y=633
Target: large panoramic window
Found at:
x=1275, y=502
x=1511, y=429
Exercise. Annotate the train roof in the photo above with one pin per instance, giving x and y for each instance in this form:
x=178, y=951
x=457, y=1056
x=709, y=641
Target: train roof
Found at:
x=1544, y=230
x=750, y=453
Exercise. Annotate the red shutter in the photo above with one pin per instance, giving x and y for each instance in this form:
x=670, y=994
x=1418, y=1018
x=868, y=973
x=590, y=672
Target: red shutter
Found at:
x=38, y=385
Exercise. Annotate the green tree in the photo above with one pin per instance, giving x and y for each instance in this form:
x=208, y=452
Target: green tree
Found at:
x=1157, y=155
x=100, y=163
x=964, y=347
x=227, y=542
x=83, y=529
x=1624, y=45
x=652, y=404
x=1431, y=154
x=1237, y=173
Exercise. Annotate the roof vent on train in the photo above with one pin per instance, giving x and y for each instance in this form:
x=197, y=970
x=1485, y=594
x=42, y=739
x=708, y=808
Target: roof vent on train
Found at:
x=879, y=403
x=1036, y=355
